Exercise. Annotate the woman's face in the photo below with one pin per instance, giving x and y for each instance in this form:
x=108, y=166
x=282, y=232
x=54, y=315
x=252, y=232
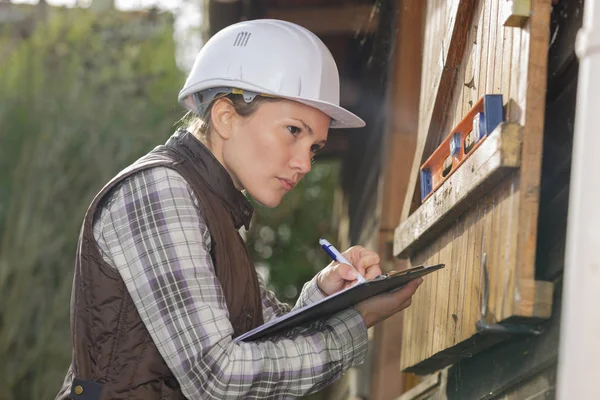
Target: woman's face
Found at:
x=268, y=152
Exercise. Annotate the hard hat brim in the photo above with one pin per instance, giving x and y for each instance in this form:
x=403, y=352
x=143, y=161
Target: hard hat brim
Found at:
x=340, y=117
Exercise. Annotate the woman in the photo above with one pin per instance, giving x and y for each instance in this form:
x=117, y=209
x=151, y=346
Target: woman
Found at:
x=163, y=281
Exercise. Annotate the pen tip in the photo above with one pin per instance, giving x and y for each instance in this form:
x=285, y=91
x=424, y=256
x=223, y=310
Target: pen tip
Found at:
x=322, y=241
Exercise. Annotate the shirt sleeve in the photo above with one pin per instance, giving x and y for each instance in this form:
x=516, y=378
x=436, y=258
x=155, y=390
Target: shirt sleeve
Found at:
x=273, y=308
x=152, y=232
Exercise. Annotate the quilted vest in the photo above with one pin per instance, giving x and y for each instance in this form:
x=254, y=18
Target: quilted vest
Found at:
x=114, y=356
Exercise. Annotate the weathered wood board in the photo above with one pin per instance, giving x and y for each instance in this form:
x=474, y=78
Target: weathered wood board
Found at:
x=472, y=220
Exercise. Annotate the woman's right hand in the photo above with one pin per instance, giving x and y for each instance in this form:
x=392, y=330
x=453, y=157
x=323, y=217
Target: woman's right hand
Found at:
x=383, y=306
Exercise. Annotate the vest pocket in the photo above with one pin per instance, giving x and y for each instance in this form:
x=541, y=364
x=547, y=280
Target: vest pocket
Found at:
x=82, y=389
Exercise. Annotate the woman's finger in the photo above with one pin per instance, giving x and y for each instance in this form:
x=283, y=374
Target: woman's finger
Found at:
x=406, y=304
x=354, y=253
x=367, y=260
x=372, y=272
x=342, y=272
x=369, y=265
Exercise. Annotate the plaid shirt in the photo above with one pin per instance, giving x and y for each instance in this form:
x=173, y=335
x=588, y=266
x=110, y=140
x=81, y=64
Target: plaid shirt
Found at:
x=151, y=230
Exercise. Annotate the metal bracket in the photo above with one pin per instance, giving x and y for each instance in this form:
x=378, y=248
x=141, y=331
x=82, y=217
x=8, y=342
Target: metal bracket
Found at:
x=484, y=327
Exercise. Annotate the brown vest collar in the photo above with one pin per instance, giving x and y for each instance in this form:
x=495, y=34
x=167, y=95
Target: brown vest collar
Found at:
x=214, y=175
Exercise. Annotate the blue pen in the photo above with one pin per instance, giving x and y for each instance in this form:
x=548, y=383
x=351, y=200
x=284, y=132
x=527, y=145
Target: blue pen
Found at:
x=337, y=256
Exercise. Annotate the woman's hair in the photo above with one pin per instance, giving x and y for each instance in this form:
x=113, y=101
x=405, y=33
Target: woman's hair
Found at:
x=201, y=126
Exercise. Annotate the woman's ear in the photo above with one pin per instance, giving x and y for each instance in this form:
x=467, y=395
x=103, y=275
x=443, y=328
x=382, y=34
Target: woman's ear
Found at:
x=222, y=114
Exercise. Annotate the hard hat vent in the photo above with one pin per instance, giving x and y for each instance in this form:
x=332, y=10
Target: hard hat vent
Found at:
x=241, y=40
x=274, y=58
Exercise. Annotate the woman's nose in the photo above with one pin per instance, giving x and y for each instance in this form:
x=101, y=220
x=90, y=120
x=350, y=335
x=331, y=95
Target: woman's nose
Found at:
x=302, y=162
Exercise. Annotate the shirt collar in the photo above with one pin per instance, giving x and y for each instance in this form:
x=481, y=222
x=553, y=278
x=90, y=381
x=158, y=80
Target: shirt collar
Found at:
x=212, y=172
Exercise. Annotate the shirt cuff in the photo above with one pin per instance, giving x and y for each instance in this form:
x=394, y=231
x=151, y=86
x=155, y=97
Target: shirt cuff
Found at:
x=310, y=294
x=351, y=331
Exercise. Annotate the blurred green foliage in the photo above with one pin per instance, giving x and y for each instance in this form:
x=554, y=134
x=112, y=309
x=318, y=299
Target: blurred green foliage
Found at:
x=81, y=98
x=285, y=240
x=83, y=95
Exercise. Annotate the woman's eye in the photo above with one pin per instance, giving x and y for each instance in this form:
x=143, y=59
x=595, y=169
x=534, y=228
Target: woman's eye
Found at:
x=294, y=130
x=315, y=148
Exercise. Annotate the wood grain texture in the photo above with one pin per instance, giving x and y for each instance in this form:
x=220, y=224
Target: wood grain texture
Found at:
x=445, y=40
x=448, y=304
x=498, y=155
x=534, y=88
x=498, y=224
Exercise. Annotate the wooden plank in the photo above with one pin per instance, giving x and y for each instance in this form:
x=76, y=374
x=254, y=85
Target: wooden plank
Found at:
x=502, y=223
x=463, y=247
x=492, y=259
x=472, y=69
x=502, y=252
x=511, y=257
x=498, y=154
x=437, y=300
x=538, y=28
x=439, y=303
x=477, y=49
x=450, y=289
x=444, y=290
x=430, y=133
x=506, y=63
x=483, y=57
x=498, y=48
x=472, y=229
x=471, y=300
x=330, y=20
x=427, y=312
x=535, y=297
x=491, y=46
x=415, y=314
x=513, y=110
x=482, y=226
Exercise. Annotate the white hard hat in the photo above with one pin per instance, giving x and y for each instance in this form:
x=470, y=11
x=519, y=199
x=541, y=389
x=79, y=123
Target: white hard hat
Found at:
x=270, y=57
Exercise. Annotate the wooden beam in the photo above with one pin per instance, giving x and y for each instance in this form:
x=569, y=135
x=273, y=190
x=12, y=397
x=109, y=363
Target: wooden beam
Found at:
x=533, y=87
x=403, y=109
x=399, y=146
x=489, y=244
x=330, y=20
x=434, y=113
x=490, y=163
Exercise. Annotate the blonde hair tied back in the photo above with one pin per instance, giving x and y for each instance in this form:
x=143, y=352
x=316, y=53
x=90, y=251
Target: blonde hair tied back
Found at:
x=201, y=125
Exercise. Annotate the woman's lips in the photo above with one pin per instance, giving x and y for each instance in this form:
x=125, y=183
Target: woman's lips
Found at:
x=287, y=184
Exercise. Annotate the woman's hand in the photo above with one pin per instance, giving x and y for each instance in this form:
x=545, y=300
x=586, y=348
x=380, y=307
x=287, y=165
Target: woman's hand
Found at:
x=378, y=308
x=336, y=276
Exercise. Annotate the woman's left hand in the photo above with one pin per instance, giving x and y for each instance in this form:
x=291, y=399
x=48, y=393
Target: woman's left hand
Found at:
x=336, y=276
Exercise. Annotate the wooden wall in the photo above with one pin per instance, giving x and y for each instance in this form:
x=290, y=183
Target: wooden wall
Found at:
x=467, y=53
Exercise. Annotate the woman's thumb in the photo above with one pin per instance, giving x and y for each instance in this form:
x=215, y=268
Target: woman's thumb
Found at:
x=348, y=272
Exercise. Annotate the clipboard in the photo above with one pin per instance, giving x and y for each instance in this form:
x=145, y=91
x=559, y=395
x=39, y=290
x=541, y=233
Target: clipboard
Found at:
x=337, y=302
